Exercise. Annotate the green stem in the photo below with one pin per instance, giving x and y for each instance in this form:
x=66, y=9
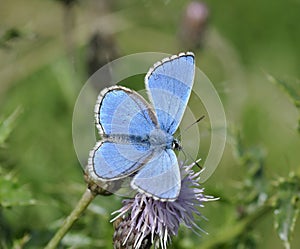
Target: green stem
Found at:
x=85, y=200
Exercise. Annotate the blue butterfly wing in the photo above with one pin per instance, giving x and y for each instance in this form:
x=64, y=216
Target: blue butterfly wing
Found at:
x=159, y=177
x=124, y=120
x=112, y=161
x=120, y=110
x=169, y=86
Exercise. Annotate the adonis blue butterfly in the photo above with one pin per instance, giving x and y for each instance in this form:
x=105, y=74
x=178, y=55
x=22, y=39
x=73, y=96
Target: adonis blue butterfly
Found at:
x=138, y=138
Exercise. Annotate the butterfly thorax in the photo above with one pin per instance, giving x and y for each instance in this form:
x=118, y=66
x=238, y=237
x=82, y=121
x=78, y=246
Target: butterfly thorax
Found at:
x=159, y=138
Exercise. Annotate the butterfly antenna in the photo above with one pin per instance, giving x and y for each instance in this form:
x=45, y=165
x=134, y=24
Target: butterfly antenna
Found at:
x=185, y=129
x=197, y=121
x=187, y=155
x=194, y=162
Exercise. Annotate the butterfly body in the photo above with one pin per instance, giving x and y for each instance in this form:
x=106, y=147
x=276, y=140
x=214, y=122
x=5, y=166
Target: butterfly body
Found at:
x=160, y=139
x=156, y=139
x=138, y=138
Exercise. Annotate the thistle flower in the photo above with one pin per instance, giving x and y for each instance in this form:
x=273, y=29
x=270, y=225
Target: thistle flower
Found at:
x=144, y=221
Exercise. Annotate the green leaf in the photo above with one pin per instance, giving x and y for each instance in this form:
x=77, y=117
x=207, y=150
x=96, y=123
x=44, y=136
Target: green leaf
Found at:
x=12, y=193
x=291, y=88
x=253, y=190
x=287, y=208
x=7, y=125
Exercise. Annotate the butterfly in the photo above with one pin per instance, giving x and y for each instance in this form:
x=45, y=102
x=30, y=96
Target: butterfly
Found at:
x=137, y=139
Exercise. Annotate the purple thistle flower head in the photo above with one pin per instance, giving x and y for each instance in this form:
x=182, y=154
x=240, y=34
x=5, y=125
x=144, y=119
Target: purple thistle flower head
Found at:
x=144, y=221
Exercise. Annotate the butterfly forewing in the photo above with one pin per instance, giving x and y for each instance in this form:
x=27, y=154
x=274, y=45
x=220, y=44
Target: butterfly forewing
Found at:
x=169, y=86
x=120, y=110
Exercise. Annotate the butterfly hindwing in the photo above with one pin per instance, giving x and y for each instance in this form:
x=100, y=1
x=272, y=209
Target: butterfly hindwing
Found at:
x=112, y=161
x=160, y=176
x=169, y=86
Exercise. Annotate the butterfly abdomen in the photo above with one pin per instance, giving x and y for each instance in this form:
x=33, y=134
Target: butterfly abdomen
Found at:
x=157, y=139
x=126, y=139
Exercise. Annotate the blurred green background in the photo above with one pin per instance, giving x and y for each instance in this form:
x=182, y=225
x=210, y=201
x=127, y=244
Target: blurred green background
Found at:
x=48, y=50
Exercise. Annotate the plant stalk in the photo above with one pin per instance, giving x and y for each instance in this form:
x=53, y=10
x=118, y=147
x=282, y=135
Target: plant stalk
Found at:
x=83, y=203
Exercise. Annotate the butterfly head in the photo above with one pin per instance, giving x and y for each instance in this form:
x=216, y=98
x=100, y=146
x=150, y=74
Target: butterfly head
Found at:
x=176, y=144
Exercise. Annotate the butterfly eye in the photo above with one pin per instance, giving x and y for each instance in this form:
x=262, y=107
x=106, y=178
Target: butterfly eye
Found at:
x=176, y=145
